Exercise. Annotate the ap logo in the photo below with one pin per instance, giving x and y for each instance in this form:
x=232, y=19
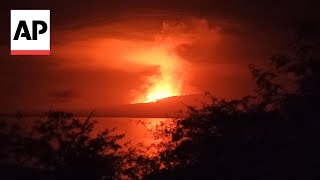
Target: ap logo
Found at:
x=30, y=32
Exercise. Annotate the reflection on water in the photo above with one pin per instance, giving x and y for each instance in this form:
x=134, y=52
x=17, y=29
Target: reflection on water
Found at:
x=136, y=130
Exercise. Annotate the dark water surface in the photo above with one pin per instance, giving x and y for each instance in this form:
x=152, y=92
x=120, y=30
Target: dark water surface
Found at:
x=136, y=130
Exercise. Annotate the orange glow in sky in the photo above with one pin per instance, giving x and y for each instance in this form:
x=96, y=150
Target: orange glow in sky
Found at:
x=152, y=65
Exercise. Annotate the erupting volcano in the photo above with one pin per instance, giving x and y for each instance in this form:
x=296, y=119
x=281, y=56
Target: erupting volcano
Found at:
x=167, y=81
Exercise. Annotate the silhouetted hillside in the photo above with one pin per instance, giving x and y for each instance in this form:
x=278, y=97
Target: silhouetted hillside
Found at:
x=167, y=107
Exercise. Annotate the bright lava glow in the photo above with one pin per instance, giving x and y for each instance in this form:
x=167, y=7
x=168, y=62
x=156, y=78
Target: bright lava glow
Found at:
x=167, y=82
x=160, y=91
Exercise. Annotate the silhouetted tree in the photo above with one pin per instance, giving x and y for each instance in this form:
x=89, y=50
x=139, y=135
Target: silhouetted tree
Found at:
x=273, y=135
x=63, y=147
x=270, y=136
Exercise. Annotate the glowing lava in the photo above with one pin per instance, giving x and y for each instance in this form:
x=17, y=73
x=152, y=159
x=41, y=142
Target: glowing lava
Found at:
x=159, y=92
x=162, y=87
x=167, y=81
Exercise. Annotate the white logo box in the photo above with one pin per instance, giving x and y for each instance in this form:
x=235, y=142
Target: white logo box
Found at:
x=22, y=46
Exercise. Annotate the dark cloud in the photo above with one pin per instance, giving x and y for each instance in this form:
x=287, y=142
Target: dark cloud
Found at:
x=265, y=15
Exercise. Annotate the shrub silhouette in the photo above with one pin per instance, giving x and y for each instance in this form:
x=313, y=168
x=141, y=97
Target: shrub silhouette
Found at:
x=62, y=147
x=273, y=135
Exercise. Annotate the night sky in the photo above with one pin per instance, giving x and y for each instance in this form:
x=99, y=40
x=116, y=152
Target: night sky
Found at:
x=105, y=53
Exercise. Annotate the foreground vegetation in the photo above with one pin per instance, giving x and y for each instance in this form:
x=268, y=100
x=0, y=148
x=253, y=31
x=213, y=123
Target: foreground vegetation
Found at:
x=271, y=135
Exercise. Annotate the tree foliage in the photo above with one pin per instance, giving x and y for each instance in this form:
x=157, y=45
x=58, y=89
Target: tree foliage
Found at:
x=270, y=135
x=63, y=147
x=273, y=135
